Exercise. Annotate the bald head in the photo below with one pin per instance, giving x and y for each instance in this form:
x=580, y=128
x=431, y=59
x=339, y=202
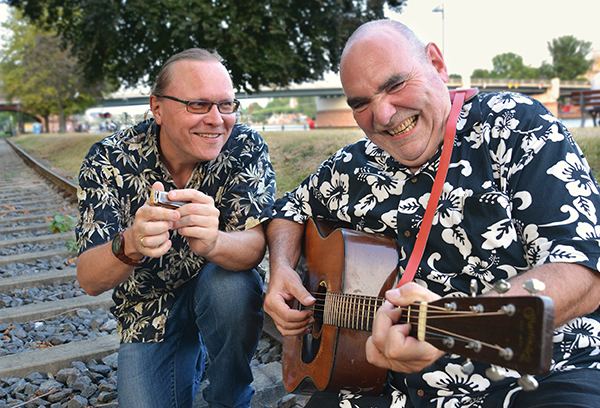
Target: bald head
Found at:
x=391, y=27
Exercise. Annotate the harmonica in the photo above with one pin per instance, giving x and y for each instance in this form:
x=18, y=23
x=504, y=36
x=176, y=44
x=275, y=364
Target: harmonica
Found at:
x=159, y=198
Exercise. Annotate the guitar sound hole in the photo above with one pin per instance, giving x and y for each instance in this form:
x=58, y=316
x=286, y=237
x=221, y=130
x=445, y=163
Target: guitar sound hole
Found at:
x=312, y=341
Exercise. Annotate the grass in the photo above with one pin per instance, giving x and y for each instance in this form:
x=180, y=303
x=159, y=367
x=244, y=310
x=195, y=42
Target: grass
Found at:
x=294, y=154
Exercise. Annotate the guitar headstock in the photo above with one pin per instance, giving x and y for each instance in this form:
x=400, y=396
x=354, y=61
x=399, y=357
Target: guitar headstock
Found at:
x=509, y=332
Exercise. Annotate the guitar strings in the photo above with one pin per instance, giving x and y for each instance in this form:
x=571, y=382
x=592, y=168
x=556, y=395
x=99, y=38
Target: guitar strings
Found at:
x=353, y=314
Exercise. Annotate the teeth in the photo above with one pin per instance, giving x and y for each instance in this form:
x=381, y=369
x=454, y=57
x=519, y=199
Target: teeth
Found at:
x=406, y=126
x=208, y=135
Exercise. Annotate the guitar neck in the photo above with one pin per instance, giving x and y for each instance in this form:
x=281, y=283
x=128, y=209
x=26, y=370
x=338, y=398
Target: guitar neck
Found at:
x=512, y=332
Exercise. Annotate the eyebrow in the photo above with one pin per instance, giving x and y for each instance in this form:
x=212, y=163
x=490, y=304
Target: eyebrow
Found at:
x=393, y=79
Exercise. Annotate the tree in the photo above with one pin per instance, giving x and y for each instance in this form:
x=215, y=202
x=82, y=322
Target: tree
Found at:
x=569, y=57
x=265, y=43
x=42, y=75
x=481, y=73
x=510, y=65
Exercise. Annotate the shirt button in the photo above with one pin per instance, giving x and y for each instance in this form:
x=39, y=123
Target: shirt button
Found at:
x=407, y=233
x=420, y=393
x=414, y=179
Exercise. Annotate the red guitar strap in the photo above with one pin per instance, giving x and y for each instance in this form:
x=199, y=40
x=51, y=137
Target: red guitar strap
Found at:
x=458, y=97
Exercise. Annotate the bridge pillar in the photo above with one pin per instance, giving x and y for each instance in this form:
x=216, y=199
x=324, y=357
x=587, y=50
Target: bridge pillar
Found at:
x=333, y=111
x=550, y=97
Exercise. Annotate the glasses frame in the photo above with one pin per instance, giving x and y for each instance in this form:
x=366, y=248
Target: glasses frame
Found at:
x=236, y=104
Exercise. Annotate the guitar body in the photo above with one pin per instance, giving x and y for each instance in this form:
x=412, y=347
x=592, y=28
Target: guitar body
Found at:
x=333, y=358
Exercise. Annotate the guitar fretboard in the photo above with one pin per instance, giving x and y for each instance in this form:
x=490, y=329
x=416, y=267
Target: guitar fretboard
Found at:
x=355, y=312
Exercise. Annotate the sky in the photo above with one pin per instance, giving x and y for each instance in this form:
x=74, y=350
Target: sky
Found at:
x=474, y=31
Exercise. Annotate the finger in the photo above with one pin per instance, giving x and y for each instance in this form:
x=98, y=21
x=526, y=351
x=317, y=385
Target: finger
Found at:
x=304, y=296
x=154, y=241
x=157, y=252
x=190, y=195
x=374, y=355
x=158, y=186
x=409, y=294
x=387, y=316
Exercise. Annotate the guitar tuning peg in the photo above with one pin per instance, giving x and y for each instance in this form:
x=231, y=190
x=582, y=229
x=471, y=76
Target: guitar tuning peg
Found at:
x=528, y=382
x=468, y=367
x=495, y=374
x=534, y=286
x=473, y=287
x=502, y=286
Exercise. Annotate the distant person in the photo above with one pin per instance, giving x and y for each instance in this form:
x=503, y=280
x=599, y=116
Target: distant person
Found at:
x=519, y=201
x=188, y=295
x=595, y=86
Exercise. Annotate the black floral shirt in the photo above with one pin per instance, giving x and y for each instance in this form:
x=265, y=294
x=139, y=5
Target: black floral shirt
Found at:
x=115, y=180
x=518, y=194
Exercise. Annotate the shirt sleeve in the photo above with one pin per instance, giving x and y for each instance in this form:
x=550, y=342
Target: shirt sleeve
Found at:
x=324, y=194
x=98, y=200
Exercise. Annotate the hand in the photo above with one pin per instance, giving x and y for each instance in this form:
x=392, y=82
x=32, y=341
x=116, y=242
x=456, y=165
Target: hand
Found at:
x=149, y=234
x=199, y=221
x=284, y=287
x=390, y=345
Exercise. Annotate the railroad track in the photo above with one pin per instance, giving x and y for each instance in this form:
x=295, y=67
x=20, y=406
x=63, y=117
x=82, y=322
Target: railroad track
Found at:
x=33, y=259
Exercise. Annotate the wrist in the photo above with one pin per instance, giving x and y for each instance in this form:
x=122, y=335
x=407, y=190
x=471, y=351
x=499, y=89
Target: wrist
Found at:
x=129, y=248
x=119, y=245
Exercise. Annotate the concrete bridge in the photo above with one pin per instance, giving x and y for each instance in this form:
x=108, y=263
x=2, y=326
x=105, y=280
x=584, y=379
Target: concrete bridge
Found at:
x=332, y=110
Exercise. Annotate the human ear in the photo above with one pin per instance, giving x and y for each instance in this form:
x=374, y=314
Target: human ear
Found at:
x=436, y=59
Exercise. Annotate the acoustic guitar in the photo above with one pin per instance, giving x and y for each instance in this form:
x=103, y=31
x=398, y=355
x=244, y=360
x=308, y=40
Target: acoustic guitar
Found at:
x=349, y=271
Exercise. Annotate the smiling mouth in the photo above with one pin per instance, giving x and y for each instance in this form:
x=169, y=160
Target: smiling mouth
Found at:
x=406, y=126
x=208, y=135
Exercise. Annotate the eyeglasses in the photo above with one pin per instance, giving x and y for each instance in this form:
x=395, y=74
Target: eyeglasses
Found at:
x=225, y=107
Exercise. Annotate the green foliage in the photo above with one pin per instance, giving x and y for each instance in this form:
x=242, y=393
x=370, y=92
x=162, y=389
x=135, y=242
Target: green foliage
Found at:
x=64, y=224
x=569, y=57
x=568, y=62
x=510, y=65
x=41, y=74
x=265, y=43
x=481, y=73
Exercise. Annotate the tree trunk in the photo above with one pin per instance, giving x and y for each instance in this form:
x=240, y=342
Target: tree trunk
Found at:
x=62, y=122
x=47, y=123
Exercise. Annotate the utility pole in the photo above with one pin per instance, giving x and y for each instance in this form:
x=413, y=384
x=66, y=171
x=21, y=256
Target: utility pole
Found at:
x=440, y=9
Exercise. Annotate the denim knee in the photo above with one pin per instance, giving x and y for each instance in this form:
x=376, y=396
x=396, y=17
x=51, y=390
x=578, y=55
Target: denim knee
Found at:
x=231, y=296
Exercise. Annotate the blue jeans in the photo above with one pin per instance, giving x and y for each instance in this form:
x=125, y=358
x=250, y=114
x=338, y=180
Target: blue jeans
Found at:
x=215, y=323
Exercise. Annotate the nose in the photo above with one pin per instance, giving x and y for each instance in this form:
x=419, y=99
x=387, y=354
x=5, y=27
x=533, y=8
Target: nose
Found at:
x=213, y=116
x=383, y=111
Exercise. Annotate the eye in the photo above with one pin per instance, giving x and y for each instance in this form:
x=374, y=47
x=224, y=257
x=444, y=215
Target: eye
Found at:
x=200, y=105
x=360, y=107
x=396, y=87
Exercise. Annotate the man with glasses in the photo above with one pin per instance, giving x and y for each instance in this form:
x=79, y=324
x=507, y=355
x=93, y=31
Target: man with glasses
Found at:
x=188, y=298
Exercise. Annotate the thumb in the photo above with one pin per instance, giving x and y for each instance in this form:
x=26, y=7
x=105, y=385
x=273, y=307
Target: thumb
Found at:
x=158, y=186
x=299, y=292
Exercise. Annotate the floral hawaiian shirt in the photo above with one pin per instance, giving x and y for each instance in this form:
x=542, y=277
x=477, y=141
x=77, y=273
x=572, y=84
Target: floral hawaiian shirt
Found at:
x=519, y=193
x=115, y=180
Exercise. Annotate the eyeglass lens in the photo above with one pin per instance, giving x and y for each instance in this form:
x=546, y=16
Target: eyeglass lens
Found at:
x=205, y=106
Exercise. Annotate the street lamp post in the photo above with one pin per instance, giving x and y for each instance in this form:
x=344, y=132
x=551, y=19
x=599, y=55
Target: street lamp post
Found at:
x=440, y=9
